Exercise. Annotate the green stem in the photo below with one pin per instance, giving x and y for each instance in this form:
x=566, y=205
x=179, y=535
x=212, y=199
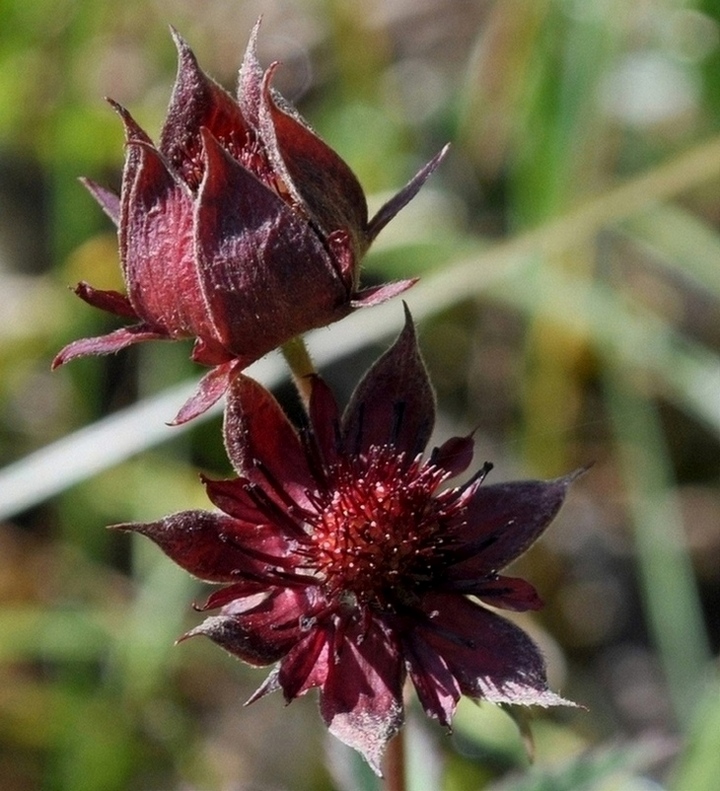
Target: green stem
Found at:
x=395, y=764
x=301, y=366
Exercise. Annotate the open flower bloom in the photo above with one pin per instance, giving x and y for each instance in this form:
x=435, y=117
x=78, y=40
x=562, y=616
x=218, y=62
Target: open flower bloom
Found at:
x=348, y=565
x=241, y=229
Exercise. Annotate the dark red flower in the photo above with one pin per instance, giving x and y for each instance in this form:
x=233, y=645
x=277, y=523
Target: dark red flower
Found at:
x=241, y=229
x=345, y=562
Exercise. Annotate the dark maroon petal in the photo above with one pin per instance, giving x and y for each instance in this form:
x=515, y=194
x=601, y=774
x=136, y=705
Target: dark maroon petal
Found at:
x=310, y=170
x=241, y=499
x=454, y=455
x=111, y=301
x=250, y=81
x=106, y=344
x=435, y=685
x=268, y=547
x=108, y=200
x=231, y=497
x=342, y=255
x=134, y=133
x=501, y=521
x=490, y=657
x=157, y=246
x=260, y=630
x=192, y=539
x=265, y=272
x=406, y=194
x=307, y=664
x=249, y=645
x=394, y=402
x=198, y=101
x=238, y=590
x=261, y=441
x=361, y=700
x=508, y=593
x=210, y=389
x=271, y=684
x=133, y=156
x=208, y=351
x=376, y=295
x=213, y=547
x=325, y=420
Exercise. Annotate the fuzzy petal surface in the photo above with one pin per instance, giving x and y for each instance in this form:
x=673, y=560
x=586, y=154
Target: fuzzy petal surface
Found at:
x=156, y=240
x=376, y=295
x=501, y=521
x=406, y=194
x=197, y=103
x=507, y=593
x=394, y=403
x=312, y=170
x=214, y=547
x=107, y=344
x=454, y=455
x=210, y=390
x=265, y=273
x=307, y=664
x=436, y=686
x=110, y=301
x=259, y=630
x=476, y=644
x=262, y=443
x=361, y=701
x=325, y=421
x=108, y=200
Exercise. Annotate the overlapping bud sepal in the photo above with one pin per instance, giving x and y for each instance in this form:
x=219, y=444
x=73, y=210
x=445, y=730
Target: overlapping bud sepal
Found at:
x=241, y=229
x=347, y=561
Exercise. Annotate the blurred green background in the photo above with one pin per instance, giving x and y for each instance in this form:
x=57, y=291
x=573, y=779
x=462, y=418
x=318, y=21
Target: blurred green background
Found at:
x=569, y=311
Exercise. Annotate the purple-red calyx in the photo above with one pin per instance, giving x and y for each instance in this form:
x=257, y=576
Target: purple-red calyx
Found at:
x=241, y=229
x=346, y=562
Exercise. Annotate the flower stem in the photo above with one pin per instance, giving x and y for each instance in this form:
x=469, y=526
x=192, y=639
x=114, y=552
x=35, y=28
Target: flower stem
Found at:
x=395, y=764
x=301, y=366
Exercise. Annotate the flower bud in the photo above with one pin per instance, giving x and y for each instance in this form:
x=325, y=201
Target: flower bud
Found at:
x=347, y=560
x=241, y=229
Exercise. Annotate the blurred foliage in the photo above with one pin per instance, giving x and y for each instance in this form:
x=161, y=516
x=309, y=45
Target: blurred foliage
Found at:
x=570, y=247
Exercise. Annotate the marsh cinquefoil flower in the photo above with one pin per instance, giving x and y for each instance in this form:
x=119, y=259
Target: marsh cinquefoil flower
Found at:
x=241, y=229
x=346, y=563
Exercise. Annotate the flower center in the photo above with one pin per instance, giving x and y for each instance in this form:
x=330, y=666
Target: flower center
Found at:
x=376, y=533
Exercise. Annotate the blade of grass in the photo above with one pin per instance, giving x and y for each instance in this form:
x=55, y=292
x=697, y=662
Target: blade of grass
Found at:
x=689, y=169
x=685, y=243
x=687, y=373
x=106, y=442
x=666, y=576
x=699, y=766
